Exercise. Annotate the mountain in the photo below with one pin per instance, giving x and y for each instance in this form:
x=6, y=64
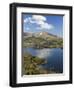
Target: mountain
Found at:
x=40, y=34
x=41, y=40
x=27, y=34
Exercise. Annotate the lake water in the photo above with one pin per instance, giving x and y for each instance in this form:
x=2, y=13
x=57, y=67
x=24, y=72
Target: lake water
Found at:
x=53, y=56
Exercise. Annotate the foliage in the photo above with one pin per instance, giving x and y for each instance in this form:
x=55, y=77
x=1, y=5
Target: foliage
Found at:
x=38, y=42
x=31, y=65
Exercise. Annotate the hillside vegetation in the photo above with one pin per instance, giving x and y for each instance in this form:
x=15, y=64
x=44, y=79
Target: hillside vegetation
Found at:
x=40, y=42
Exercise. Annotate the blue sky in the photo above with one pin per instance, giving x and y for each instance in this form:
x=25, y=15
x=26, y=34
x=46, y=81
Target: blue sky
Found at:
x=48, y=23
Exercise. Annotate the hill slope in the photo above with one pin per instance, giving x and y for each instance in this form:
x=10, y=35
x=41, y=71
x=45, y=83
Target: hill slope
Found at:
x=42, y=40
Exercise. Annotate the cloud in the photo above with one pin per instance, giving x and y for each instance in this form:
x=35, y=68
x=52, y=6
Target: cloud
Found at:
x=40, y=21
x=46, y=26
x=27, y=19
x=39, y=17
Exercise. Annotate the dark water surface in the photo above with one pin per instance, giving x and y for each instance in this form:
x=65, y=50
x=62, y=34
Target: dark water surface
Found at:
x=54, y=57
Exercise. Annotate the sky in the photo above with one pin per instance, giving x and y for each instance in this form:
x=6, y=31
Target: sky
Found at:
x=52, y=24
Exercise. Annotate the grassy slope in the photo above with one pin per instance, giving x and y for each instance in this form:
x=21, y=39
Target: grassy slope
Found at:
x=39, y=42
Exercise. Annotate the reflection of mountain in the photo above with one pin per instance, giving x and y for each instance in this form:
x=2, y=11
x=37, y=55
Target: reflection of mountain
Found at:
x=42, y=40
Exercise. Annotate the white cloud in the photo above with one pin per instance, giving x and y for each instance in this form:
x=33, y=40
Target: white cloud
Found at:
x=27, y=20
x=46, y=26
x=39, y=17
x=40, y=21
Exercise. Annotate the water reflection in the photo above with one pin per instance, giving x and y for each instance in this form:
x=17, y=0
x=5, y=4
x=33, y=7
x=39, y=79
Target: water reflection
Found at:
x=43, y=53
x=53, y=56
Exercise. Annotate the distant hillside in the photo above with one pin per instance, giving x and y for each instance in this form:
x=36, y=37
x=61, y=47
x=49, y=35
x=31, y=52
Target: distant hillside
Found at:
x=27, y=34
x=45, y=35
x=42, y=40
x=39, y=34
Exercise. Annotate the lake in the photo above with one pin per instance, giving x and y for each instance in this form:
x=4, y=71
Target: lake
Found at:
x=54, y=57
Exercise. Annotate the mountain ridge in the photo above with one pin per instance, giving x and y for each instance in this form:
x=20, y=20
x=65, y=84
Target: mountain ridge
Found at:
x=37, y=34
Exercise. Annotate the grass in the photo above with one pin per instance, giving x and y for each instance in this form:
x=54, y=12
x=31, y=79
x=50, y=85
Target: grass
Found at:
x=38, y=42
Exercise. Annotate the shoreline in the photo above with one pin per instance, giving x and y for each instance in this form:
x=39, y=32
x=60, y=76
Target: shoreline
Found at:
x=33, y=66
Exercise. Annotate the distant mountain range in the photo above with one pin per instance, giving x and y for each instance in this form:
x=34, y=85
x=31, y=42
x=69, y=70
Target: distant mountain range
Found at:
x=39, y=34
